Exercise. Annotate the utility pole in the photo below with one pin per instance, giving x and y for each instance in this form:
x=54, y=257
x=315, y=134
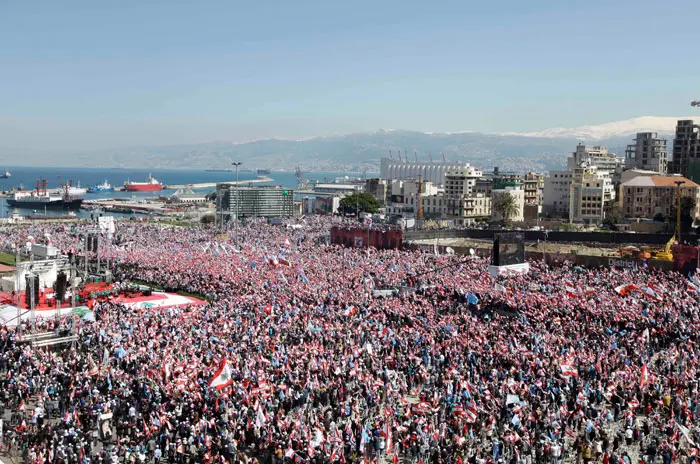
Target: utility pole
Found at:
x=678, y=209
x=238, y=193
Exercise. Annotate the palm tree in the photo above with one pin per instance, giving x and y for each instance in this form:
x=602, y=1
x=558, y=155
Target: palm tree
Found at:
x=506, y=207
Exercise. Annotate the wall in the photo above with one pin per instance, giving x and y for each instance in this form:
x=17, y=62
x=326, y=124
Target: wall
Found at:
x=358, y=238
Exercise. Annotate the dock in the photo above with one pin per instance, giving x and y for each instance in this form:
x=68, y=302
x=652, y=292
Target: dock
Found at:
x=259, y=180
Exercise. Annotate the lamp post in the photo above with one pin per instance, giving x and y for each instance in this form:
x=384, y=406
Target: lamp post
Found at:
x=238, y=197
x=678, y=209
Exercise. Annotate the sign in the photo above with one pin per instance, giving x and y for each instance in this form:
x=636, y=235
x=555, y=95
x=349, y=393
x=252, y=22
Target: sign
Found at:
x=358, y=242
x=624, y=263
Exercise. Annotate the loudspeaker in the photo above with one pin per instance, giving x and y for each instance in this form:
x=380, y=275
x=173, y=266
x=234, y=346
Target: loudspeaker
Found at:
x=60, y=286
x=147, y=292
x=31, y=290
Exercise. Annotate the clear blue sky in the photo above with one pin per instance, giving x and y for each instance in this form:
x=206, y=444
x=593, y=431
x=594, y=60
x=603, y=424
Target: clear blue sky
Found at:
x=91, y=74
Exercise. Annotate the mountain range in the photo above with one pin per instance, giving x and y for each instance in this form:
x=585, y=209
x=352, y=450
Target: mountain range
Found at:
x=530, y=151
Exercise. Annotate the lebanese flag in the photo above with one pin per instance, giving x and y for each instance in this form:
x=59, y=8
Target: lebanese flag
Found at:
x=570, y=433
x=272, y=261
x=625, y=289
x=691, y=287
x=589, y=291
x=260, y=418
x=22, y=406
x=570, y=290
x=287, y=244
x=222, y=377
x=634, y=404
x=648, y=291
x=644, y=378
x=568, y=370
x=284, y=262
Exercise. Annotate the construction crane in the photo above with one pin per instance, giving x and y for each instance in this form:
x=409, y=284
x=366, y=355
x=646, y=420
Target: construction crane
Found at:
x=303, y=183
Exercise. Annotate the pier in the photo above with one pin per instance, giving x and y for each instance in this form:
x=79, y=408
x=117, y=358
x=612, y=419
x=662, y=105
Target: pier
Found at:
x=259, y=180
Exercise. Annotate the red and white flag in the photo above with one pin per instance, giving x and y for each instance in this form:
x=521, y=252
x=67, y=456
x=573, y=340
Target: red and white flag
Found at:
x=222, y=377
x=286, y=242
x=644, y=378
x=568, y=370
x=22, y=406
x=625, y=289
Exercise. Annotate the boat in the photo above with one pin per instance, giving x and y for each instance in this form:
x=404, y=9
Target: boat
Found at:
x=263, y=172
x=153, y=185
x=103, y=187
x=6, y=175
x=40, y=198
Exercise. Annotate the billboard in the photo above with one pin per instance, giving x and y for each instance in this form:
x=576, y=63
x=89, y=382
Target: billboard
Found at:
x=508, y=249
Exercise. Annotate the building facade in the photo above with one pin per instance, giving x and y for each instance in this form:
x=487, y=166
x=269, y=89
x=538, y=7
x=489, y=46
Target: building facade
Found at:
x=649, y=152
x=235, y=202
x=597, y=156
x=497, y=197
x=555, y=194
x=431, y=172
x=533, y=188
x=647, y=196
x=686, y=150
x=591, y=194
x=465, y=194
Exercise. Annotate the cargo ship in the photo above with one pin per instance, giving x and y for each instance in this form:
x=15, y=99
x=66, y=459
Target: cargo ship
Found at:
x=103, y=187
x=40, y=198
x=263, y=172
x=153, y=185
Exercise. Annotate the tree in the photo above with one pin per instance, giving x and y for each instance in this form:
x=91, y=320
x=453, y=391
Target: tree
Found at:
x=687, y=212
x=506, y=207
x=207, y=219
x=610, y=221
x=358, y=201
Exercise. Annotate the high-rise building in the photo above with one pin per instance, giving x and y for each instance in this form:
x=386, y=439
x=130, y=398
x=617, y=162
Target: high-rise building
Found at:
x=533, y=186
x=592, y=193
x=648, y=152
x=597, y=156
x=686, y=150
x=555, y=194
x=233, y=202
x=464, y=201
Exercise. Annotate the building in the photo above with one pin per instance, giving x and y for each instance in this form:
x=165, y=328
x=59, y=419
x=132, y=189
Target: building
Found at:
x=555, y=193
x=188, y=196
x=648, y=152
x=647, y=196
x=591, y=194
x=686, y=150
x=320, y=205
x=404, y=199
x=597, y=156
x=380, y=189
x=513, y=190
x=466, y=195
x=533, y=187
x=432, y=172
x=233, y=202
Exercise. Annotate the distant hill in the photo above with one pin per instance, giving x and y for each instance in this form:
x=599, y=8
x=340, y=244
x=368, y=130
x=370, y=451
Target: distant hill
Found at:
x=539, y=151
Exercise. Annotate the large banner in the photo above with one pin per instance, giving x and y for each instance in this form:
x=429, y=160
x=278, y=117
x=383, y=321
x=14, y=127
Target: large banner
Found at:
x=360, y=238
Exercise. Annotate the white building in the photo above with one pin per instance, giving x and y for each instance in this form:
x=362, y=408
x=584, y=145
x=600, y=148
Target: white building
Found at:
x=555, y=197
x=598, y=156
x=518, y=195
x=592, y=192
x=465, y=196
x=431, y=172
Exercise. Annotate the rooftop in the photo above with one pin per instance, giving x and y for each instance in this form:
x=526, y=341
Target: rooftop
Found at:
x=659, y=181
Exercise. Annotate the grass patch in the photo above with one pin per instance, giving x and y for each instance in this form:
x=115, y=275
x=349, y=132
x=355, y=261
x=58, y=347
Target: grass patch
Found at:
x=7, y=259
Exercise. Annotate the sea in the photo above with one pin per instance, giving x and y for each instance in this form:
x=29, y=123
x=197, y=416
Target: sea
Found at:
x=25, y=177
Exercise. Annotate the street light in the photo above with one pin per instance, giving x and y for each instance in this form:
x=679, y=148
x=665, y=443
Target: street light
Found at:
x=238, y=198
x=678, y=209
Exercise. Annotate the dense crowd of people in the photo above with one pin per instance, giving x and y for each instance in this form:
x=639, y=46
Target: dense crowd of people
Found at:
x=300, y=357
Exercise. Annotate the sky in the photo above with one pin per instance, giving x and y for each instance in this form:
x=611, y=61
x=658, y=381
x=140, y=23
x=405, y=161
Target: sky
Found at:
x=84, y=75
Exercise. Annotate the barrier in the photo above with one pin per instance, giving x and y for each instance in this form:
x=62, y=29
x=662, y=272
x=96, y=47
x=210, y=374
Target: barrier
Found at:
x=360, y=238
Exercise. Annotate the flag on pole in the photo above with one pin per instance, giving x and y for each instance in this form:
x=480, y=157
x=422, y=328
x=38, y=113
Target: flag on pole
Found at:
x=568, y=370
x=644, y=378
x=222, y=377
x=625, y=289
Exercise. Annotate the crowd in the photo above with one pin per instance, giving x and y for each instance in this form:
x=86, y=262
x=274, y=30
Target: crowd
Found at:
x=298, y=357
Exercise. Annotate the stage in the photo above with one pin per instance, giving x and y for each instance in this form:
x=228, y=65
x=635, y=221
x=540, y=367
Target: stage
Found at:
x=93, y=295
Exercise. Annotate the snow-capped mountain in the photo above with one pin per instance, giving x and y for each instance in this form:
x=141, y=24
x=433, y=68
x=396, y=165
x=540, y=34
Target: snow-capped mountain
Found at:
x=661, y=124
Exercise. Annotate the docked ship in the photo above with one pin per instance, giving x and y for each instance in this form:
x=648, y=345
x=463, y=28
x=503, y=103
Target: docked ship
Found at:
x=73, y=190
x=153, y=185
x=40, y=198
x=99, y=188
x=263, y=172
x=6, y=175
